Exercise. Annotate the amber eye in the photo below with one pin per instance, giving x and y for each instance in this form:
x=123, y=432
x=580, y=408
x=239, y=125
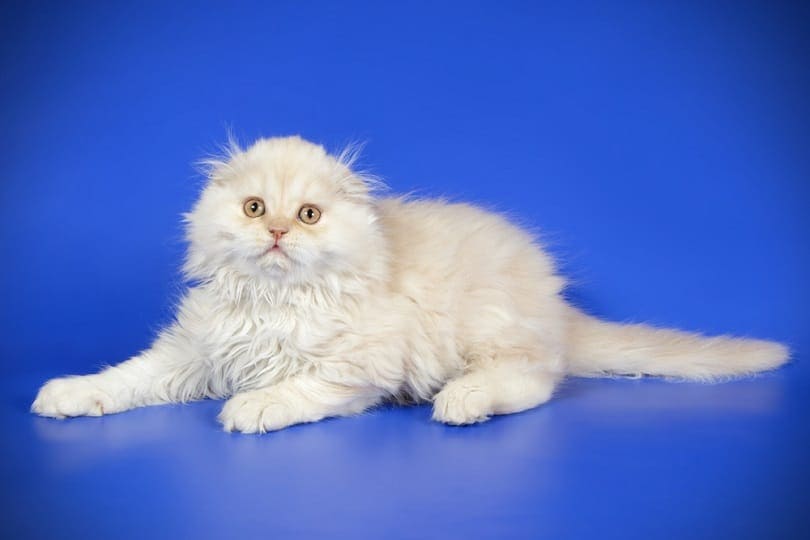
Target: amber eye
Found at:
x=309, y=214
x=254, y=207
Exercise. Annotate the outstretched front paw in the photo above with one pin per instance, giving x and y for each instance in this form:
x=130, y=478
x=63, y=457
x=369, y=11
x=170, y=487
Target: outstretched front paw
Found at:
x=255, y=412
x=71, y=396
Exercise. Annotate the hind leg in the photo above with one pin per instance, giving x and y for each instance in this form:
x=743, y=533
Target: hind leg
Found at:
x=502, y=388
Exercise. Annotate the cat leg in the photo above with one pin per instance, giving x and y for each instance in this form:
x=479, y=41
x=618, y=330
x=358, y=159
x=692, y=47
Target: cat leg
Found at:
x=300, y=399
x=168, y=372
x=499, y=388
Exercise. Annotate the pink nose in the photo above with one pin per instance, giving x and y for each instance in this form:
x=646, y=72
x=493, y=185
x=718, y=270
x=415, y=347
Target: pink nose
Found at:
x=278, y=233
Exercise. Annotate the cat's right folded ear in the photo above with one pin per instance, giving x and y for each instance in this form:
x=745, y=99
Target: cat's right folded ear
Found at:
x=356, y=184
x=215, y=166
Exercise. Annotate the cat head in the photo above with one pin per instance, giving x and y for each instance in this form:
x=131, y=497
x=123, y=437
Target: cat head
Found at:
x=283, y=211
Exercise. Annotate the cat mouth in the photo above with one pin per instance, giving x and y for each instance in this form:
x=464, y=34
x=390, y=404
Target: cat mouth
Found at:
x=275, y=249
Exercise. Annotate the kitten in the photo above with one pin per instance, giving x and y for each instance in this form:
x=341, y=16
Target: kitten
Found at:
x=314, y=299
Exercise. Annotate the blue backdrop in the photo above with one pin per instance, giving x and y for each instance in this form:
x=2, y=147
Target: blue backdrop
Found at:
x=662, y=149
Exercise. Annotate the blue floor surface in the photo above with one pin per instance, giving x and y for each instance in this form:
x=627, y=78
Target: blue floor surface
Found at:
x=604, y=459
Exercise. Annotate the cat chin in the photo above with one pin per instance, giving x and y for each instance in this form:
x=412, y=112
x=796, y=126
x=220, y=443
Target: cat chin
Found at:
x=276, y=266
x=281, y=270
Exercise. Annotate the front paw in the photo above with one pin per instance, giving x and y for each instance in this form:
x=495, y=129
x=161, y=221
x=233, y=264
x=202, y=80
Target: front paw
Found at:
x=254, y=412
x=71, y=396
x=459, y=404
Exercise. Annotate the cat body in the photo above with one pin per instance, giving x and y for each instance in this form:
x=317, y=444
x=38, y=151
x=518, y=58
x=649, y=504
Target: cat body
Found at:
x=312, y=298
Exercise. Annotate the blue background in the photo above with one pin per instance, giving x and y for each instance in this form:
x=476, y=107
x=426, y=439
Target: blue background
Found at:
x=663, y=149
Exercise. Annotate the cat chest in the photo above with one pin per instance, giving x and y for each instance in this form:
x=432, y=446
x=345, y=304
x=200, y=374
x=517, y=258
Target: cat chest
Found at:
x=256, y=349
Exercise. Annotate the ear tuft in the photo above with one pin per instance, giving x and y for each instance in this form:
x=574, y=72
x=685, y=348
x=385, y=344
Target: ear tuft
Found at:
x=356, y=183
x=217, y=164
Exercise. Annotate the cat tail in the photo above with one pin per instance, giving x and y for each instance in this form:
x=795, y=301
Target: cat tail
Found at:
x=598, y=348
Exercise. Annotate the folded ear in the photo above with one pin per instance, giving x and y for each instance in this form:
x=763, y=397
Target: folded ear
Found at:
x=353, y=183
x=215, y=166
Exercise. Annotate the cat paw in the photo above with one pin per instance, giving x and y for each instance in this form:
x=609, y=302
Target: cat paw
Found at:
x=254, y=412
x=460, y=404
x=71, y=396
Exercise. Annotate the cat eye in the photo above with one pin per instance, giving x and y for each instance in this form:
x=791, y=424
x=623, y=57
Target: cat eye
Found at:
x=309, y=214
x=253, y=207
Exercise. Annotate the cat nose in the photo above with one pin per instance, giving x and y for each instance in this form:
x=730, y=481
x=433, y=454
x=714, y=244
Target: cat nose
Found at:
x=278, y=232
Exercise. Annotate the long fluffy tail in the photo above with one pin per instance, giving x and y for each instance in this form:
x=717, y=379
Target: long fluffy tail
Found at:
x=598, y=348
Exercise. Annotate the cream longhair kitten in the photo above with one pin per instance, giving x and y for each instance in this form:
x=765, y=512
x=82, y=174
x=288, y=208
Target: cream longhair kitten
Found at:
x=312, y=299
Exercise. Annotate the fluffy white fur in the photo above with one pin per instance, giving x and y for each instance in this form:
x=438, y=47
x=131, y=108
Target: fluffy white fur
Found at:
x=381, y=299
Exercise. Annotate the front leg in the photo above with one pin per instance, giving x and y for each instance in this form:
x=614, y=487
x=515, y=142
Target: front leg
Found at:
x=168, y=372
x=299, y=399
